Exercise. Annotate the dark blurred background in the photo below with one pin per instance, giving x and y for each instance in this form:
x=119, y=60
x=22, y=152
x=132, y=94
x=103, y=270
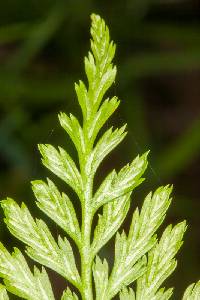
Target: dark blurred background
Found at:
x=42, y=44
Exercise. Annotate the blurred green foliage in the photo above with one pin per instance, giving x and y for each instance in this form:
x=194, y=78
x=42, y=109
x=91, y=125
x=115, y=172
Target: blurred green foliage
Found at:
x=158, y=56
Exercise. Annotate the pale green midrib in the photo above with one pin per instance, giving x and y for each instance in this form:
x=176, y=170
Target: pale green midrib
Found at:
x=87, y=213
x=87, y=216
x=86, y=261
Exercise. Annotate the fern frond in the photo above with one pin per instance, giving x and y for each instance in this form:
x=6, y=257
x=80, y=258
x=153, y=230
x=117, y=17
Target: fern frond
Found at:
x=139, y=256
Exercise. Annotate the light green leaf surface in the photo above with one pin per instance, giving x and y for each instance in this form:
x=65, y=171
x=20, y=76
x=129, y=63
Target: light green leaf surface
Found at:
x=41, y=245
x=127, y=294
x=20, y=281
x=105, y=145
x=3, y=293
x=192, y=292
x=161, y=264
x=111, y=219
x=100, y=272
x=123, y=273
x=57, y=206
x=98, y=66
x=68, y=295
x=71, y=125
x=118, y=184
x=107, y=108
x=61, y=164
x=129, y=249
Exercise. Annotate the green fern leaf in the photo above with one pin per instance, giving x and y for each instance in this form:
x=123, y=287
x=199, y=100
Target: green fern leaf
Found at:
x=41, y=244
x=161, y=263
x=116, y=185
x=141, y=238
x=68, y=295
x=192, y=292
x=113, y=216
x=100, y=272
x=61, y=164
x=107, y=108
x=127, y=294
x=58, y=207
x=105, y=145
x=74, y=130
x=3, y=293
x=20, y=281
